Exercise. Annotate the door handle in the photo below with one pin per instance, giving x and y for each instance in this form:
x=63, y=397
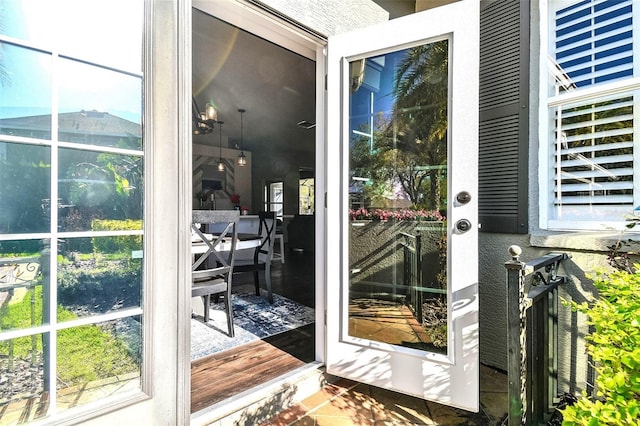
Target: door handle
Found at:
x=463, y=225
x=463, y=197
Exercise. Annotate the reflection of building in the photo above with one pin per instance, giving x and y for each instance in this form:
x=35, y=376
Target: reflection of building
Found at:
x=86, y=127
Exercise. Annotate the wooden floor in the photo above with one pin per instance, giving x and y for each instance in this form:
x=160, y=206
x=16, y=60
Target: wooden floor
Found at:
x=228, y=373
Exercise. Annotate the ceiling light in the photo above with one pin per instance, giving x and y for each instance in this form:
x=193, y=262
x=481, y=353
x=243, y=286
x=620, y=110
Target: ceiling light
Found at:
x=220, y=162
x=203, y=122
x=242, y=159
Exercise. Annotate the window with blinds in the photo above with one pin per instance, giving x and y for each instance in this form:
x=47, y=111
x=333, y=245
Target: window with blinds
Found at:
x=593, y=109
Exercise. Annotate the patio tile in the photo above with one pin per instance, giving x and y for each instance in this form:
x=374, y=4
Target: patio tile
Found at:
x=288, y=416
x=305, y=421
x=399, y=409
x=325, y=394
x=342, y=421
x=346, y=405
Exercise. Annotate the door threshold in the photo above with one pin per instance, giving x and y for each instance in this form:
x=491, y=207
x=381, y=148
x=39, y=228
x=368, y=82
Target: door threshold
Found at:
x=262, y=402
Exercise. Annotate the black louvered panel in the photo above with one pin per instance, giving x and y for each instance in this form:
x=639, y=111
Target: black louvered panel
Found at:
x=498, y=174
x=499, y=54
x=503, y=132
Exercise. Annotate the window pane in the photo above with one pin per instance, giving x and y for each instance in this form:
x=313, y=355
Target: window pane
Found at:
x=593, y=161
x=22, y=369
x=25, y=185
x=100, y=274
x=593, y=45
x=29, y=20
x=398, y=184
x=99, y=106
x=276, y=198
x=25, y=92
x=97, y=361
x=307, y=196
x=98, y=186
x=108, y=33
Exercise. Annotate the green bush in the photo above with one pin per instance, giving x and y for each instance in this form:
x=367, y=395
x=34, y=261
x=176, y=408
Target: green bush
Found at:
x=614, y=345
x=116, y=244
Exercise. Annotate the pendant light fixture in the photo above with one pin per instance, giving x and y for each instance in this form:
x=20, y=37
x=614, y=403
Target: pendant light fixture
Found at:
x=220, y=162
x=203, y=122
x=242, y=159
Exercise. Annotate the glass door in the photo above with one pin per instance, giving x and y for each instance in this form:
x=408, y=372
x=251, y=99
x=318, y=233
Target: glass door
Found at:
x=403, y=118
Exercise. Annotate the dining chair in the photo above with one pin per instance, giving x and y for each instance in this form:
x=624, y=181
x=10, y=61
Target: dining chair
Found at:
x=262, y=255
x=279, y=240
x=217, y=263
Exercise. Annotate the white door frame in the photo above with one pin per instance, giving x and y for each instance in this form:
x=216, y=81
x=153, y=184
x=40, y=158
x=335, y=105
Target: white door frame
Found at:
x=259, y=22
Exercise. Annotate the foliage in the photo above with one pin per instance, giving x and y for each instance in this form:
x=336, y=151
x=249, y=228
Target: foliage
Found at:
x=85, y=353
x=116, y=244
x=88, y=354
x=99, y=185
x=421, y=110
x=101, y=288
x=397, y=215
x=25, y=173
x=408, y=149
x=614, y=345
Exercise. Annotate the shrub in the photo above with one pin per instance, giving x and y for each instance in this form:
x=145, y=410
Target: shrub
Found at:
x=116, y=244
x=614, y=345
x=398, y=215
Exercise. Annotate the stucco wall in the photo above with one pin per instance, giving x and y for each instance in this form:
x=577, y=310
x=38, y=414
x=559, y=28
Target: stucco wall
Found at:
x=330, y=17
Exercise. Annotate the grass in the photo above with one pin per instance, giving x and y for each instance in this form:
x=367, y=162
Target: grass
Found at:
x=85, y=353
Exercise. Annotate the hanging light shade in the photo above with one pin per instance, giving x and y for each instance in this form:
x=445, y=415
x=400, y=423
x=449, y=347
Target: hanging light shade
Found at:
x=242, y=159
x=203, y=122
x=220, y=162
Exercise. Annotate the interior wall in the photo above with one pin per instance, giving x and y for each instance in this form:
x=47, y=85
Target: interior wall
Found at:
x=284, y=166
x=236, y=180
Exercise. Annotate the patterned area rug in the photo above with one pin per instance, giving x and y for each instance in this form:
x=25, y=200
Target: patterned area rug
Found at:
x=253, y=318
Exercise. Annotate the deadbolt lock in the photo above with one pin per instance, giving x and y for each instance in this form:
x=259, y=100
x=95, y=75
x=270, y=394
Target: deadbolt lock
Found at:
x=463, y=197
x=463, y=225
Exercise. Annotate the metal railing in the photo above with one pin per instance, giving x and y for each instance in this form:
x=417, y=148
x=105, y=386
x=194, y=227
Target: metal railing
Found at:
x=412, y=271
x=532, y=336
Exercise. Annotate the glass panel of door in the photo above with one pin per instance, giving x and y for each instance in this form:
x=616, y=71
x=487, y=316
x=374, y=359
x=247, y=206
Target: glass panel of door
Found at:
x=398, y=154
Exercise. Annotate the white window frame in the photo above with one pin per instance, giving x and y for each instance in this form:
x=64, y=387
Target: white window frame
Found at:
x=546, y=148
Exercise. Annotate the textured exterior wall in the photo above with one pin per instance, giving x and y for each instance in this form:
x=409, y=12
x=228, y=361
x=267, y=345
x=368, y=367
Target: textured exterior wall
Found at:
x=375, y=250
x=330, y=17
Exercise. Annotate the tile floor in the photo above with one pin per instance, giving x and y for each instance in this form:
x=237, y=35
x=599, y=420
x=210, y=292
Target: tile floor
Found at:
x=344, y=402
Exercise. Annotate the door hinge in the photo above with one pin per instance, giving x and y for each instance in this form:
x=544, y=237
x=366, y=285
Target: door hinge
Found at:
x=325, y=317
x=325, y=82
x=325, y=200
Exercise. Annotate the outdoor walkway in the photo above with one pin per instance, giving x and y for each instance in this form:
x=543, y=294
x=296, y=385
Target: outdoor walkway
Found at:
x=345, y=403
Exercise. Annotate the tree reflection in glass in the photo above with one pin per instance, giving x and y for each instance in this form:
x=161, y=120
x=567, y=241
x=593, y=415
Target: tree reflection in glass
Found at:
x=399, y=106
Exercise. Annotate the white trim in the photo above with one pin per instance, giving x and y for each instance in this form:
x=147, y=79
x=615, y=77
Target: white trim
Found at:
x=320, y=203
x=593, y=92
x=261, y=23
